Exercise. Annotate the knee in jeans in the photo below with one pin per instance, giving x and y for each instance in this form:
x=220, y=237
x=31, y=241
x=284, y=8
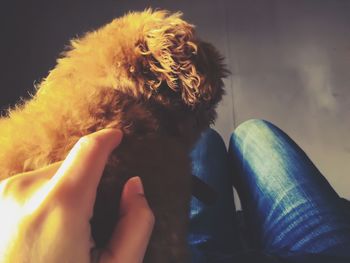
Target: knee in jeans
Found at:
x=250, y=129
x=210, y=136
x=253, y=125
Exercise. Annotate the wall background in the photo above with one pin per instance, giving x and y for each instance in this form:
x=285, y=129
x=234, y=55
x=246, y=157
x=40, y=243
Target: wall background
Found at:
x=289, y=59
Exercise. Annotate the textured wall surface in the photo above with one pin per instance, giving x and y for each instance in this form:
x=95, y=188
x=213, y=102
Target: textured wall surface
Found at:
x=289, y=60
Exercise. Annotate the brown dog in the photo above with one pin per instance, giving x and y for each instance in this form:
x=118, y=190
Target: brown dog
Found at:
x=147, y=74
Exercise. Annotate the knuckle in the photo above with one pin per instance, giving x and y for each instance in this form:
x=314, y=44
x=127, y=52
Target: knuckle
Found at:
x=147, y=215
x=9, y=185
x=4, y=187
x=88, y=141
x=17, y=188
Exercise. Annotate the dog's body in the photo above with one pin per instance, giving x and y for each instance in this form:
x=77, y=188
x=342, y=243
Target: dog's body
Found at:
x=146, y=74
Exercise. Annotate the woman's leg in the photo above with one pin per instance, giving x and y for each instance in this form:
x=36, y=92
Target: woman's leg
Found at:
x=289, y=205
x=213, y=234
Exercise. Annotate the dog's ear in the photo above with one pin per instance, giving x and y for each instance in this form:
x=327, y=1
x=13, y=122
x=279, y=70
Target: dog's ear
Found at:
x=167, y=54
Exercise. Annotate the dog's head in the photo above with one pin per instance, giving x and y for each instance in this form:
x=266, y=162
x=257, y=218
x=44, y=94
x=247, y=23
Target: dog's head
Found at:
x=177, y=71
x=155, y=58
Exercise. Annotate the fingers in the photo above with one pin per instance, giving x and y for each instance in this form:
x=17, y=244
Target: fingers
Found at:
x=79, y=175
x=134, y=228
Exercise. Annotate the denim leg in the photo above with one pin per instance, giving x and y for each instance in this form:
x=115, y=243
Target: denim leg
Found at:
x=213, y=235
x=289, y=205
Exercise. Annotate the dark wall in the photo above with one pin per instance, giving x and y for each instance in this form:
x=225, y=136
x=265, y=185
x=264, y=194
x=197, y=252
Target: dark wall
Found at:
x=33, y=35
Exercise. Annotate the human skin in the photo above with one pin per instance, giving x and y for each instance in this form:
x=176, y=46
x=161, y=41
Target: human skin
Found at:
x=45, y=213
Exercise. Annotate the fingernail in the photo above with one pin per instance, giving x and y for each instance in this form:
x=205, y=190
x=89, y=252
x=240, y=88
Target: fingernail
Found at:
x=134, y=185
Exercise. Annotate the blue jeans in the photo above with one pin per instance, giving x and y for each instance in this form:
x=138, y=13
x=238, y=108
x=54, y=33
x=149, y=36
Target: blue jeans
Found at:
x=289, y=207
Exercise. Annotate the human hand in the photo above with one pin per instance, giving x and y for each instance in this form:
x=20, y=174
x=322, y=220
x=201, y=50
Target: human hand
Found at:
x=44, y=214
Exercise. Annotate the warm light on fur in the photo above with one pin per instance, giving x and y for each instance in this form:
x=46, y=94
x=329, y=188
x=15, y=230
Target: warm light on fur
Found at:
x=145, y=73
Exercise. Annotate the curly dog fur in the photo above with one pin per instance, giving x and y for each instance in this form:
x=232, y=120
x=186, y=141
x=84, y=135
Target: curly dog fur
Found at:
x=147, y=74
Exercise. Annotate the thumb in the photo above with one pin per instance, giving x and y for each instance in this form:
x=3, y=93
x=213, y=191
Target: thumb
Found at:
x=134, y=228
